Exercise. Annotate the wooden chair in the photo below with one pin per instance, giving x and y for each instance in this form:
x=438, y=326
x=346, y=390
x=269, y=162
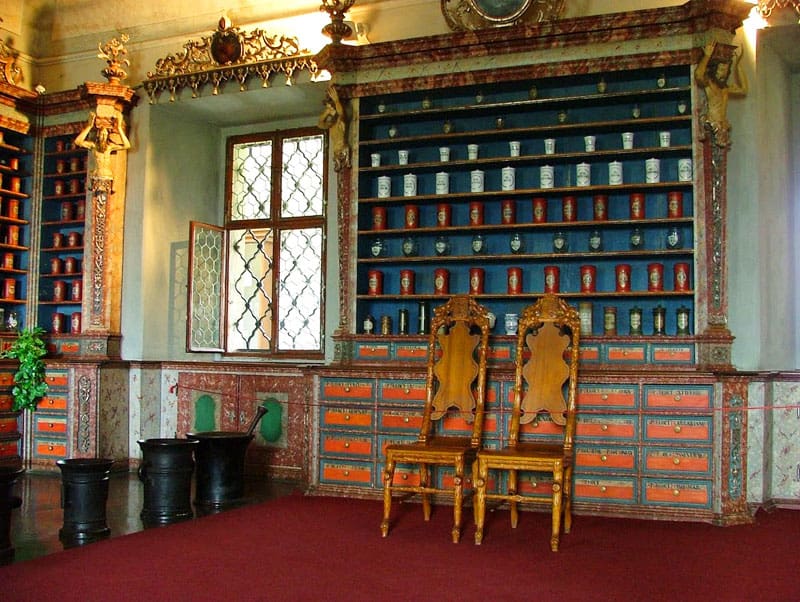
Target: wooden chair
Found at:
x=546, y=358
x=455, y=383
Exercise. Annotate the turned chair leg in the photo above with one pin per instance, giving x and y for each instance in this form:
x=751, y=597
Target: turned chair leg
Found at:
x=388, y=477
x=558, y=479
x=479, y=477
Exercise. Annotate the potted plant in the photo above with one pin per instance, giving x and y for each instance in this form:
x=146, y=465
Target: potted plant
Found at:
x=29, y=381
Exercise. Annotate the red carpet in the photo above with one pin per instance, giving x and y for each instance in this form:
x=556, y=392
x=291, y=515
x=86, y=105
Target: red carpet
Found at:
x=309, y=548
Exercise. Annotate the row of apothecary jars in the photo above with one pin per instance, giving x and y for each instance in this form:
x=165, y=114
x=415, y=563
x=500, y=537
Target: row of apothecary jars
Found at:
x=549, y=146
x=623, y=276
x=443, y=218
x=547, y=178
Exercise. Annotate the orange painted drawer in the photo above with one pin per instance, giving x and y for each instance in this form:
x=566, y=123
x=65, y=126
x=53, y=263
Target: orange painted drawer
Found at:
x=611, y=490
x=355, y=418
x=338, y=444
x=676, y=493
x=607, y=396
x=400, y=420
x=53, y=402
x=402, y=390
x=605, y=458
x=6, y=403
x=589, y=353
x=626, y=353
x=499, y=353
x=346, y=473
x=347, y=389
x=373, y=351
x=404, y=476
x=9, y=449
x=678, y=460
x=542, y=426
x=8, y=425
x=676, y=398
x=683, y=354
x=6, y=379
x=55, y=449
x=56, y=378
x=50, y=425
x=411, y=351
x=606, y=427
x=534, y=486
x=657, y=428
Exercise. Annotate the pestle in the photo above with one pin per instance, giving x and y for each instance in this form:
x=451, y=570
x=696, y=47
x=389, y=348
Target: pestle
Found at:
x=260, y=411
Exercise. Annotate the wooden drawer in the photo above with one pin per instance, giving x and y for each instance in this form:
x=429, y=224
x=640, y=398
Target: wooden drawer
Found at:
x=677, y=461
x=608, y=396
x=590, y=353
x=400, y=420
x=407, y=351
x=6, y=378
x=57, y=378
x=335, y=472
x=6, y=403
x=346, y=417
x=660, y=428
x=542, y=427
x=539, y=485
x=669, y=492
x=49, y=448
x=678, y=398
x=50, y=425
x=379, y=350
x=384, y=440
x=605, y=489
x=343, y=444
x=9, y=449
x=626, y=354
x=672, y=354
x=598, y=426
x=590, y=457
x=500, y=352
x=346, y=388
x=53, y=402
x=401, y=390
x=404, y=475
x=8, y=425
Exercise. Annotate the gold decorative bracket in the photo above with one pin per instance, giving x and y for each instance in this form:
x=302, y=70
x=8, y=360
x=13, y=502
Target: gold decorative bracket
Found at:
x=10, y=73
x=469, y=15
x=228, y=54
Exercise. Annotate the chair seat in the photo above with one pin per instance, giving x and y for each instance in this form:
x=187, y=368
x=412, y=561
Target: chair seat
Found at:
x=435, y=447
x=525, y=456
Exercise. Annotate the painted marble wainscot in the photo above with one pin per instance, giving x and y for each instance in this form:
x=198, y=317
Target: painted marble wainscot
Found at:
x=113, y=412
x=785, y=443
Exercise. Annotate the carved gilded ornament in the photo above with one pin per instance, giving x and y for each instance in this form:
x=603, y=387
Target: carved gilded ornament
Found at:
x=469, y=15
x=228, y=54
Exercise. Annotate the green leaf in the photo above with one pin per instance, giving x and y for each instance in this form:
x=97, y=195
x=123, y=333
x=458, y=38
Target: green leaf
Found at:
x=29, y=380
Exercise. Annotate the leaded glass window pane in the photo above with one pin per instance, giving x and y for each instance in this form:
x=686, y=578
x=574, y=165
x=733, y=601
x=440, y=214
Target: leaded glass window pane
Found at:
x=300, y=290
x=251, y=181
x=301, y=182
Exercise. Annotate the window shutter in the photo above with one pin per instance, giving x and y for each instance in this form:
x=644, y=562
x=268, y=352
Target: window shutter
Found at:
x=207, y=261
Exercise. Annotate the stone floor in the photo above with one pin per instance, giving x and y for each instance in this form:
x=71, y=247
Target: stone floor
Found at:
x=35, y=526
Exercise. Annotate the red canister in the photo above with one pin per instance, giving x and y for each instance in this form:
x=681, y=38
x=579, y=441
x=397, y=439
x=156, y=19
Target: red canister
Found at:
x=636, y=203
x=508, y=212
x=58, y=240
x=75, y=164
x=374, y=282
x=59, y=146
x=681, y=274
x=80, y=209
x=66, y=211
x=406, y=282
x=13, y=235
x=623, y=277
x=674, y=204
x=569, y=208
x=74, y=239
x=59, y=290
x=600, y=207
x=514, y=281
x=58, y=187
x=551, y=279
x=412, y=216
x=379, y=218
x=539, y=210
x=588, y=278
x=441, y=282
x=12, y=207
x=75, y=323
x=655, y=276
x=8, y=261
x=476, y=213
x=16, y=184
x=74, y=186
x=76, y=290
x=56, y=265
x=58, y=322
x=9, y=288
x=61, y=166
x=442, y=215
x=476, y=281
x=70, y=265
